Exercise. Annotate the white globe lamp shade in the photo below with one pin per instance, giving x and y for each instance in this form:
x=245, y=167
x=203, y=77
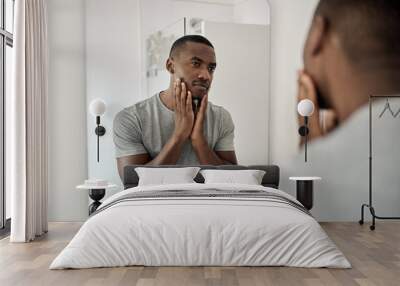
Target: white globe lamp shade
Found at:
x=97, y=107
x=305, y=107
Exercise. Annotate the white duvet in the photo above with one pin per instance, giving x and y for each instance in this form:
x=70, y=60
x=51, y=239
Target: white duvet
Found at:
x=200, y=231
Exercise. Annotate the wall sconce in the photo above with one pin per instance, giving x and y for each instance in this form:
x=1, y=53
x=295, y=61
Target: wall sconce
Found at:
x=305, y=108
x=97, y=108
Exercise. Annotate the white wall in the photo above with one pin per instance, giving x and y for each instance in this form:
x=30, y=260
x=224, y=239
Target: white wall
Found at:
x=113, y=72
x=152, y=19
x=216, y=12
x=67, y=115
x=255, y=12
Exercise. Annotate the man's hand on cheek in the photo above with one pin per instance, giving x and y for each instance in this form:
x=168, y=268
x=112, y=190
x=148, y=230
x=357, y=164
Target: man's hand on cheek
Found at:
x=184, y=116
x=321, y=121
x=307, y=90
x=197, y=135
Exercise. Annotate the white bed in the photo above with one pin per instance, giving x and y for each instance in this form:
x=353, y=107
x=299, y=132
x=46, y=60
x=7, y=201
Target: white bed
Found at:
x=200, y=231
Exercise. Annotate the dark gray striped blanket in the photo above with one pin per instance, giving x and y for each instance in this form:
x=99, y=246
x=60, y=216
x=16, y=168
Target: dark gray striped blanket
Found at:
x=205, y=194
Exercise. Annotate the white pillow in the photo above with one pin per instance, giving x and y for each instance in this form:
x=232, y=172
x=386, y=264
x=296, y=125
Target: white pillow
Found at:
x=163, y=176
x=248, y=177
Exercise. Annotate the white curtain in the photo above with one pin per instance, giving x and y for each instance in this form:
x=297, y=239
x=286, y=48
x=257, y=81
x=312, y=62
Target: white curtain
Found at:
x=27, y=123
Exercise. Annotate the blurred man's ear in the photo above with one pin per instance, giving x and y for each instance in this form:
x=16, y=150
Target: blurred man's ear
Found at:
x=170, y=66
x=317, y=36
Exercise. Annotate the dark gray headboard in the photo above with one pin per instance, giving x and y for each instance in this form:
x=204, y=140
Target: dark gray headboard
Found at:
x=271, y=177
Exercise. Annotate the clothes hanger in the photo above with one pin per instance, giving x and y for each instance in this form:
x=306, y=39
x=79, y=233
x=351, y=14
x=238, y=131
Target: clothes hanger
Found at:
x=387, y=107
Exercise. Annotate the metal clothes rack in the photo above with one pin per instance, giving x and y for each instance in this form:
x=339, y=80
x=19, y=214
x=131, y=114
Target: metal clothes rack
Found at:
x=370, y=205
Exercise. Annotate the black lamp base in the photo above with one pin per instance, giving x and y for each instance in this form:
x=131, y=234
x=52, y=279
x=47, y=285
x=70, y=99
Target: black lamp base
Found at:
x=303, y=130
x=96, y=195
x=100, y=130
x=304, y=193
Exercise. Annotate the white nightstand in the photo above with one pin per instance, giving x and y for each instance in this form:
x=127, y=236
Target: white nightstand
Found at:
x=96, y=193
x=304, y=190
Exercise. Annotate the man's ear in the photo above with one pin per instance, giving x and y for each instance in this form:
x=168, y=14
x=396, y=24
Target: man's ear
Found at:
x=170, y=66
x=318, y=35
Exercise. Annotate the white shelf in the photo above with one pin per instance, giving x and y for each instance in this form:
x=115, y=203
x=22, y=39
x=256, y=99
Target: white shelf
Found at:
x=304, y=178
x=87, y=187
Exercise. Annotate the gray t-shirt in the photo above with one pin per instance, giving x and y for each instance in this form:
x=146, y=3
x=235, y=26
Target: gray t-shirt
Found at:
x=147, y=126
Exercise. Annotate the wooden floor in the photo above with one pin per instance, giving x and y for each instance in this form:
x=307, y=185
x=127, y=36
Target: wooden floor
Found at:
x=375, y=257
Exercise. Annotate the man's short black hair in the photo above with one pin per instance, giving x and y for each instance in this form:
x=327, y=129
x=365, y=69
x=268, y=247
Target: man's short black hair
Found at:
x=179, y=43
x=368, y=29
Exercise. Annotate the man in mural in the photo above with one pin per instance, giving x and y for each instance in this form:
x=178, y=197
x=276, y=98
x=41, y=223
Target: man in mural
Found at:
x=352, y=51
x=178, y=125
